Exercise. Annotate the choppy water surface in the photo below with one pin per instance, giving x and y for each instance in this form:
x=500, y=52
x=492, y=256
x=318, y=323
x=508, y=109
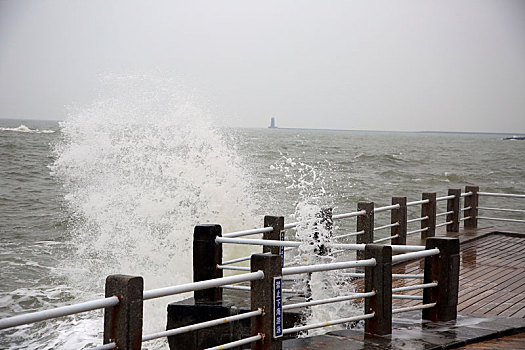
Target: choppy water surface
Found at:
x=128, y=186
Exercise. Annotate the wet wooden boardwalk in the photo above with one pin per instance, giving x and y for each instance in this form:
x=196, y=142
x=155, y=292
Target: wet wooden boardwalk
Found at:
x=492, y=273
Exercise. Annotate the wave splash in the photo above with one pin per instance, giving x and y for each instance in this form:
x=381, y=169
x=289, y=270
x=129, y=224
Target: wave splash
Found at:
x=141, y=167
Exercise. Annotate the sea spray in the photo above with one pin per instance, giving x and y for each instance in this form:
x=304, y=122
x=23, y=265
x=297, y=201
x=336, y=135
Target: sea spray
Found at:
x=307, y=182
x=141, y=166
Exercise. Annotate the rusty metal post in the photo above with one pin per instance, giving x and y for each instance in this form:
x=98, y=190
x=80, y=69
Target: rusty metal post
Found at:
x=365, y=223
x=472, y=202
x=429, y=209
x=443, y=269
x=399, y=216
x=207, y=254
x=454, y=206
x=262, y=296
x=379, y=279
x=277, y=222
x=123, y=322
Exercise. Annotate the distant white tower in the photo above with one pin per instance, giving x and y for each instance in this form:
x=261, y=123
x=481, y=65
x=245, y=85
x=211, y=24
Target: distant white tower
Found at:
x=272, y=124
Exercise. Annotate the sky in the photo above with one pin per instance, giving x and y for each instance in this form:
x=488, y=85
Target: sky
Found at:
x=408, y=65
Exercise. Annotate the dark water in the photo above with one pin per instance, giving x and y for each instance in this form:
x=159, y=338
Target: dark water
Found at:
x=286, y=170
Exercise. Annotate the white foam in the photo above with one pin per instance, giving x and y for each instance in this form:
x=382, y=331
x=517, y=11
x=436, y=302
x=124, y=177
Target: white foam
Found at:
x=25, y=129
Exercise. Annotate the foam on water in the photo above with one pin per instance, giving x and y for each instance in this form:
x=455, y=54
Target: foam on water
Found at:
x=141, y=166
x=25, y=129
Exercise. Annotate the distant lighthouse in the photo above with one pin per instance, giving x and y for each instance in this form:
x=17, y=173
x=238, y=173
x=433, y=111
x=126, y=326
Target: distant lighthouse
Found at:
x=272, y=124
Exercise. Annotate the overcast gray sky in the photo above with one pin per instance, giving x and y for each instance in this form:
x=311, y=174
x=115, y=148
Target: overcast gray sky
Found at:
x=377, y=65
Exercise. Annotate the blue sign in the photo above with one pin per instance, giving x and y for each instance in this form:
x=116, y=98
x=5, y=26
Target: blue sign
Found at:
x=281, y=252
x=277, y=307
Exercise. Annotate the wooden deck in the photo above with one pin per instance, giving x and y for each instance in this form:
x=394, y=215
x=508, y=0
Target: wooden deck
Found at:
x=513, y=342
x=492, y=274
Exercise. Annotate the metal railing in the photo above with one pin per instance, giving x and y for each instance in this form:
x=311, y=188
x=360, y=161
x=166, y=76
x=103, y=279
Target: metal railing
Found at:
x=273, y=243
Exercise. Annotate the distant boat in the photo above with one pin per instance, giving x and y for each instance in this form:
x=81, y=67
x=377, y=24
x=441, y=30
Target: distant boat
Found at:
x=515, y=138
x=272, y=124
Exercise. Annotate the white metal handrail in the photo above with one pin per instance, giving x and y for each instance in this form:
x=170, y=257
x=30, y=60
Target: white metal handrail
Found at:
x=414, y=287
x=502, y=209
x=327, y=323
x=404, y=296
x=275, y=243
x=58, y=312
x=202, y=325
x=394, y=275
x=248, y=232
x=423, y=201
x=466, y=194
x=446, y=223
x=511, y=195
x=233, y=268
x=190, y=287
x=328, y=301
x=327, y=267
x=413, y=308
x=348, y=215
x=445, y=213
x=465, y=209
x=386, y=226
x=414, y=255
x=386, y=208
x=385, y=239
x=417, y=219
x=501, y=219
x=237, y=343
x=445, y=198
x=418, y=230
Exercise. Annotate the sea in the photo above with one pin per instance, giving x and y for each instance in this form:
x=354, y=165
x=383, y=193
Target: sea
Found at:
x=118, y=186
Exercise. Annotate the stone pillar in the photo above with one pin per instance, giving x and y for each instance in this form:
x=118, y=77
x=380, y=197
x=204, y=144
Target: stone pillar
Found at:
x=379, y=279
x=429, y=209
x=207, y=254
x=325, y=221
x=262, y=296
x=400, y=216
x=365, y=223
x=277, y=222
x=472, y=202
x=443, y=269
x=123, y=322
x=454, y=206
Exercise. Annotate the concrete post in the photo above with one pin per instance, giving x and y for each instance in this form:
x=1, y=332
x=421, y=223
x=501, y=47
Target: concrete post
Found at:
x=365, y=223
x=277, y=222
x=454, y=206
x=379, y=279
x=472, y=202
x=443, y=269
x=429, y=209
x=262, y=296
x=206, y=256
x=325, y=220
x=123, y=322
x=400, y=216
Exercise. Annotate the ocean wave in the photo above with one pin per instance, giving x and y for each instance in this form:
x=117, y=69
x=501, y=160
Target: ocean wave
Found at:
x=25, y=129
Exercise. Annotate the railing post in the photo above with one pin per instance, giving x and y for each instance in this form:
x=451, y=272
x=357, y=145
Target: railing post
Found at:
x=365, y=223
x=379, y=279
x=428, y=209
x=443, y=269
x=207, y=254
x=472, y=202
x=262, y=296
x=454, y=206
x=123, y=322
x=400, y=216
x=277, y=222
x=325, y=234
